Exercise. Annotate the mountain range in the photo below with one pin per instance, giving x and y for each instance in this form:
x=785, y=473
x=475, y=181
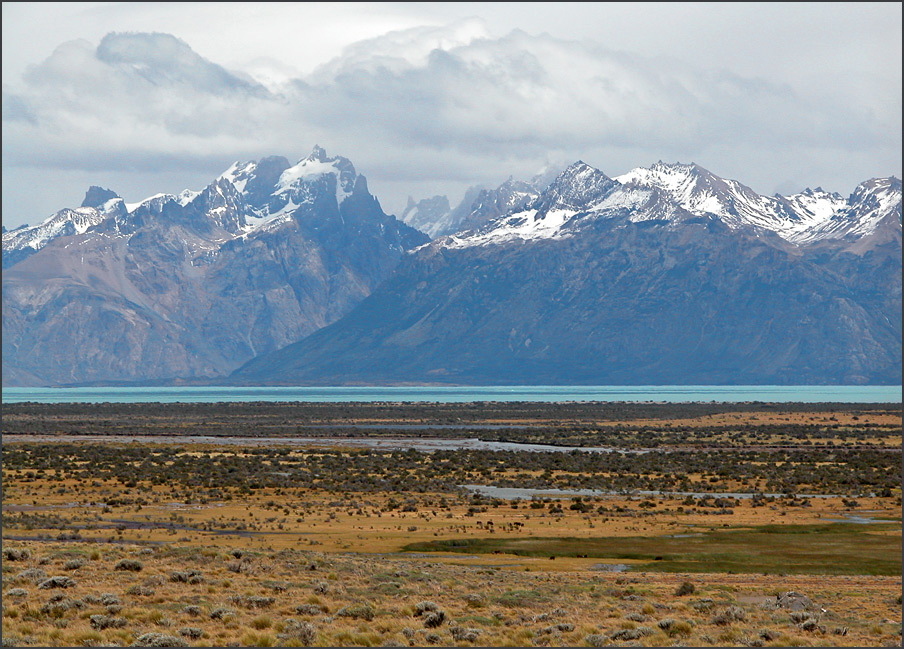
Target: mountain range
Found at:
x=292, y=274
x=194, y=285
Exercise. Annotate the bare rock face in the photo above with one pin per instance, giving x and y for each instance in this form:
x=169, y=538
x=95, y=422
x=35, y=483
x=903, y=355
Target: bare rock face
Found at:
x=193, y=285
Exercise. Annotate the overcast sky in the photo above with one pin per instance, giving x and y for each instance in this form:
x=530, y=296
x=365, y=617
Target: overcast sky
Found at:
x=429, y=98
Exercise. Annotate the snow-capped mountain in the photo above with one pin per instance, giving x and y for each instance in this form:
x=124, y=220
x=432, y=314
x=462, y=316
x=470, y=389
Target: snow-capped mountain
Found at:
x=799, y=218
x=22, y=242
x=675, y=192
x=194, y=284
x=478, y=207
x=668, y=275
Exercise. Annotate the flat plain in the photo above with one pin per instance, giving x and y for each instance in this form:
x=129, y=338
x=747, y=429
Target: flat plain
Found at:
x=389, y=524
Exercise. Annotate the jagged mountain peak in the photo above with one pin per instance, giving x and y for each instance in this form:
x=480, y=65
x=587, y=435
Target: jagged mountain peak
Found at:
x=97, y=196
x=318, y=153
x=576, y=188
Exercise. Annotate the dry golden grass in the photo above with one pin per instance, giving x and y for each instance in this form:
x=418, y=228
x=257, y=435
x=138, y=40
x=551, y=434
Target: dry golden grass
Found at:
x=298, y=566
x=260, y=593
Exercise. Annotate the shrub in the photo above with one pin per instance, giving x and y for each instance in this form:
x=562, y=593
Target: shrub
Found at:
x=192, y=632
x=158, y=640
x=460, y=634
x=424, y=607
x=101, y=622
x=186, y=576
x=434, y=619
x=16, y=593
x=729, y=615
x=16, y=554
x=74, y=564
x=596, y=640
x=145, y=591
x=302, y=633
x=357, y=612
x=33, y=575
x=686, y=588
x=132, y=565
x=221, y=612
x=631, y=634
x=56, y=582
x=308, y=609
x=475, y=600
x=192, y=610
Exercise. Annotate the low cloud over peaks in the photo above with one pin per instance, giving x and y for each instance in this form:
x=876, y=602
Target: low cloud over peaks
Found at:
x=435, y=107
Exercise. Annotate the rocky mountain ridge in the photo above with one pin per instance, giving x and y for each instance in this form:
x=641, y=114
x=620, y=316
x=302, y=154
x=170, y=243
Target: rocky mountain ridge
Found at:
x=196, y=284
x=669, y=277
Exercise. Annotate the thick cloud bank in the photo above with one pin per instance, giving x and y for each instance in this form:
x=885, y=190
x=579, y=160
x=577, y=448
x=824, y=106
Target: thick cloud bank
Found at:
x=434, y=108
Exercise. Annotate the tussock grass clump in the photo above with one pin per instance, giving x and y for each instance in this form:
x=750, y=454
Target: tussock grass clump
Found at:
x=131, y=565
x=262, y=622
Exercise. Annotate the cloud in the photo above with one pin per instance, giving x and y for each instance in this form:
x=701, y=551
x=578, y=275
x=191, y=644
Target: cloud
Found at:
x=429, y=106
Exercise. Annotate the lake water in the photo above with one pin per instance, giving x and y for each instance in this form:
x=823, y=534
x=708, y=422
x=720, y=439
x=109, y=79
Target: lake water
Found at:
x=537, y=393
x=427, y=445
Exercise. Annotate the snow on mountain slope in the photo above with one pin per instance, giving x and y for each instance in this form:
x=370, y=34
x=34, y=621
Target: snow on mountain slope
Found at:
x=580, y=193
x=872, y=202
x=701, y=192
x=676, y=191
x=65, y=222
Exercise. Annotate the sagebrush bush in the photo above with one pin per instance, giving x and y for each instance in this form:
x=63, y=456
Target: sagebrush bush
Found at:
x=131, y=565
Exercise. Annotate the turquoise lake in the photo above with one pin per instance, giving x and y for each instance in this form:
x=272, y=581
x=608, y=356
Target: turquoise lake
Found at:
x=538, y=393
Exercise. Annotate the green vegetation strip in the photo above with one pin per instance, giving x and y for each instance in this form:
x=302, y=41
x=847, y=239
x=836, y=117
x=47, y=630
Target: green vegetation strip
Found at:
x=835, y=549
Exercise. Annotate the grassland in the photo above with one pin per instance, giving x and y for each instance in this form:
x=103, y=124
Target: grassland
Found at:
x=249, y=538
